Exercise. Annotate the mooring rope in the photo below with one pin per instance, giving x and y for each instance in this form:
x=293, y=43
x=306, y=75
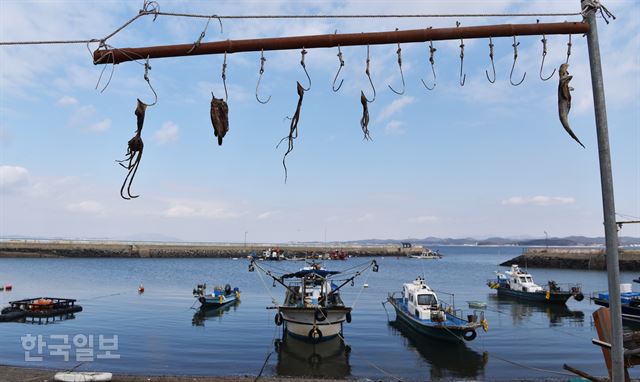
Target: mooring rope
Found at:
x=151, y=8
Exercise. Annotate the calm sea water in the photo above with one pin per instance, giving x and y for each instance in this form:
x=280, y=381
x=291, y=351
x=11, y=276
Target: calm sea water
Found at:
x=160, y=333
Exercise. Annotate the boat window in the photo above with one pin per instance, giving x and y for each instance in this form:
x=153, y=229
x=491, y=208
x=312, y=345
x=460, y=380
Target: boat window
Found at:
x=529, y=279
x=522, y=279
x=426, y=299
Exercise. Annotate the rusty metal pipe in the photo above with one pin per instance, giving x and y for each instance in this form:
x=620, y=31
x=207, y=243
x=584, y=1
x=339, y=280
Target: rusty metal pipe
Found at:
x=107, y=56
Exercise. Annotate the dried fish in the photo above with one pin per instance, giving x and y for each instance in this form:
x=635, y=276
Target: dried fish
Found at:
x=293, y=129
x=135, y=146
x=564, y=100
x=219, y=117
x=364, y=121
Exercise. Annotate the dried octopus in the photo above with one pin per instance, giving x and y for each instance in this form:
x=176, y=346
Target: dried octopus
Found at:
x=219, y=117
x=293, y=129
x=364, y=121
x=135, y=146
x=564, y=100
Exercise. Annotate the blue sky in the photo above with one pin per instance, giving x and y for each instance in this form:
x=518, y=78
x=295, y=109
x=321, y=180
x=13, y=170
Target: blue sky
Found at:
x=479, y=160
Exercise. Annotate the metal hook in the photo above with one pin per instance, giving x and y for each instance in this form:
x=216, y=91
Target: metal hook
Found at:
x=338, y=73
x=399, y=52
x=147, y=67
x=462, y=78
x=515, y=58
x=369, y=76
x=568, y=50
x=493, y=67
x=432, y=50
x=262, y=61
x=224, y=76
x=544, y=54
x=302, y=53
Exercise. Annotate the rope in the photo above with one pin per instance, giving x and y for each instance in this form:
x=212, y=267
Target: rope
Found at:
x=151, y=8
x=595, y=6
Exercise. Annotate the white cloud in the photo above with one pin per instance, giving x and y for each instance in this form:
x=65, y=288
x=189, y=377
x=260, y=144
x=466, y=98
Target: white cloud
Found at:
x=87, y=206
x=13, y=178
x=394, y=128
x=168, y=133
x=423, y=219
x=101, y=126
x=267, y=215
x=366, y=217
x=67, y=100
x=199, y=209
x=394, y=107
x=539, y=200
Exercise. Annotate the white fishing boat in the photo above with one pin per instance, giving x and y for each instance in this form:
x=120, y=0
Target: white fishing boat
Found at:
x=312, y=308
x=517, y=283
x=427, y=254
x=418, y=306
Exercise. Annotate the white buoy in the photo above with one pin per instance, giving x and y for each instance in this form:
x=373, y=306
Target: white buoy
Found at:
x=82, y=376
x=366, y=285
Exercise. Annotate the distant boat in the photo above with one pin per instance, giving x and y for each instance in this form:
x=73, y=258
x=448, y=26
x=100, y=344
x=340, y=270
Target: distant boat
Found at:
x=418, y=306
x=312, y=309
x=427, y=254
x=218, y=297
x=519, y=284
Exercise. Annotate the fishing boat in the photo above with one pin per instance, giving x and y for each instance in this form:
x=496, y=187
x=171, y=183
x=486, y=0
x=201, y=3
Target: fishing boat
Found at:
x=273, y=254
x=629, y=301
x=418, y=306
x=218, y=297
x=519, y=284
x=312, y=309
x=427, y=254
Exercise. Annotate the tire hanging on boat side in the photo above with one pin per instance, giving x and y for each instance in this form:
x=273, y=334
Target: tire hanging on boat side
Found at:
x=469, y=334
x=320, y=314
x=278, y=319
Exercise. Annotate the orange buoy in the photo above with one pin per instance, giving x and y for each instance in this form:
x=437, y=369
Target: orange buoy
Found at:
x=141, y=289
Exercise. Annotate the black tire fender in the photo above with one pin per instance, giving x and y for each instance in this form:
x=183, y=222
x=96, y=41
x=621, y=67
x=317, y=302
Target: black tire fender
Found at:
x=278, y=319
x=469, y=334
x=320, y=314
x=315, y=335
x=348, y=317
x=579, y=296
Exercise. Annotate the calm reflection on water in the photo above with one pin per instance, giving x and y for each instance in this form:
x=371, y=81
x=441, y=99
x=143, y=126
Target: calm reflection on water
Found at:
x=328, y=359
x=160, y=332
x=446, y=359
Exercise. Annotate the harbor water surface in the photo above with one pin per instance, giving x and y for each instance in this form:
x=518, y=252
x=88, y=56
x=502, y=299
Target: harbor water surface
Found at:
x=162, y=332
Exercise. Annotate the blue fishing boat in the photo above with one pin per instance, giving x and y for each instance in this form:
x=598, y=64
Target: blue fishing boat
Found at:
x=218, y=297
x=519, y=284
x=629, y=302
x=418, y=306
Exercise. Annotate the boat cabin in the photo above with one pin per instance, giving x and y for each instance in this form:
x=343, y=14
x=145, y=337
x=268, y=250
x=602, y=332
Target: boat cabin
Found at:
x=311, y=288
x=421, y=300
x=519, y=280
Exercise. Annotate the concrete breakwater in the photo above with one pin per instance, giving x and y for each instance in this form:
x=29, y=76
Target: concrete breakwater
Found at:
x=574, y=258
x=152, y=250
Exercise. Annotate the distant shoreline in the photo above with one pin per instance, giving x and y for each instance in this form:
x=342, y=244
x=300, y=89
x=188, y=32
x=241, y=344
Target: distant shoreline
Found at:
x=74, y=249
x=574, y=258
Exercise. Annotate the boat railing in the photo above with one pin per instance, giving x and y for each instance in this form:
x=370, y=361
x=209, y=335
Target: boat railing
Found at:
x=572, y=287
